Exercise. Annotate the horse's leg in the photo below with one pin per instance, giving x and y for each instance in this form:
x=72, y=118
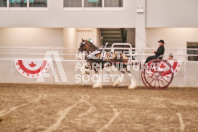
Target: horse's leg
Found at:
x=132, y=79
x=119, y=79
x=108, y=67
x=98, y=83
x=86, y=68
x=120, y=67
x=96, y=67
x=85, y=71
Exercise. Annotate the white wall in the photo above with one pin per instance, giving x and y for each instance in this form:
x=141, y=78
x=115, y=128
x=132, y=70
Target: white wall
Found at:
x=31, y=37
x=42, y=37
x=70, y=37
x=55, y=16
x=73, y=36
x=172, y=13
x=173, y=37
x=159, y=13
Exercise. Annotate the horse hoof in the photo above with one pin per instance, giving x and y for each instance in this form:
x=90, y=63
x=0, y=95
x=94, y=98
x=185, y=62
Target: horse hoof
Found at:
x=115, y=84
x=97, y=86
x=132, y=86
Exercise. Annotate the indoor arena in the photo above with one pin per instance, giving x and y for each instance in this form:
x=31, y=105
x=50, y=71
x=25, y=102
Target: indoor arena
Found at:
x=98, y=66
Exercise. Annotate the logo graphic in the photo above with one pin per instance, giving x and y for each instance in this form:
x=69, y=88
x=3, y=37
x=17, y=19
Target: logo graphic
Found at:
x=32, y=68
x=52, y=62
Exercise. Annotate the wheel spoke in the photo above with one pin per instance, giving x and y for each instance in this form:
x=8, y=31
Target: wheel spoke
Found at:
x=149, y=81
x=148, y=76
x=155, y=83
x=162, y=82
x=158, y=83
x=152, y=81
x=165, y=80
x=151, y=78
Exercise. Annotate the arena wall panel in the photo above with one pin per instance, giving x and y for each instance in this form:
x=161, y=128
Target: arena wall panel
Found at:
x=186, y=77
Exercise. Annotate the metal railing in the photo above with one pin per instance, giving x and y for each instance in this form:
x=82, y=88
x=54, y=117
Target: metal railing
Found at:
x=140, y=54
x=11, y=53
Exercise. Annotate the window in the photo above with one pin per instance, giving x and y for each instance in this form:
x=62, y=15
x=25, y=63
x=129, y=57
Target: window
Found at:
x=72, y=3
x=113, y=3
x=17, y=3
x=192, y=50
x=3, y=3
x=37, y=3
x=93, y=3
x=23, y=3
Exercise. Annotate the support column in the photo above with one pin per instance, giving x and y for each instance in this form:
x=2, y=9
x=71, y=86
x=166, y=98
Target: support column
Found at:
x=69, y=38
x=140, y=24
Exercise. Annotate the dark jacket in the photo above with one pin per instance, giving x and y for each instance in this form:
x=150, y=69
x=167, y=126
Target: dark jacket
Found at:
x=160, y=51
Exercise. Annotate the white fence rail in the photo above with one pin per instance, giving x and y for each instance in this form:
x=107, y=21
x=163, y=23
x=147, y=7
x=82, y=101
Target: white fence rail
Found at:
x=11, y=52
x=186, y=77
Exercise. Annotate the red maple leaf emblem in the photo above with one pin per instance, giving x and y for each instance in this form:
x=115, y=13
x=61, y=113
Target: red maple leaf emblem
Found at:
x=32, y=64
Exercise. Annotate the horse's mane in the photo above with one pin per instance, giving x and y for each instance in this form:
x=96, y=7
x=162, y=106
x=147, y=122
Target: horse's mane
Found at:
x=92, y=46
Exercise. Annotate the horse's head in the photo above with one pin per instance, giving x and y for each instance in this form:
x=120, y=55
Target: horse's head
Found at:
x=87, y=46
x=82, y=46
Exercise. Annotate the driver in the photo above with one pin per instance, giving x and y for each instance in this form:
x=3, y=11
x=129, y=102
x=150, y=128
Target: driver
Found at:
x=158, y=53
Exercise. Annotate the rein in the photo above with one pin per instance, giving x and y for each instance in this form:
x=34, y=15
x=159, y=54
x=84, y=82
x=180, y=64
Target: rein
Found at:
x=92, y=48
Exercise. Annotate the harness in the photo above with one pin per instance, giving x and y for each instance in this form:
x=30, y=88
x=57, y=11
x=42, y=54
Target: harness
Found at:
x=103, y=53
x=102, y=58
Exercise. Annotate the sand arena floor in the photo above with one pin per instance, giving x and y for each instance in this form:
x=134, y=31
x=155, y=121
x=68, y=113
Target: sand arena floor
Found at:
x=61, y=108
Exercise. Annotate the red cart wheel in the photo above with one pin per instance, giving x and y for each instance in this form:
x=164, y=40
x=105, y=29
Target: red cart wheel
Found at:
x=158, y=74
